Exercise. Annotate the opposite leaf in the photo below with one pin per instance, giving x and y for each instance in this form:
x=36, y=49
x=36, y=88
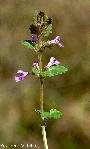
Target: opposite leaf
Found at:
x=36, y=71
x=55, y=70
x=28, y=44
x=53, y=113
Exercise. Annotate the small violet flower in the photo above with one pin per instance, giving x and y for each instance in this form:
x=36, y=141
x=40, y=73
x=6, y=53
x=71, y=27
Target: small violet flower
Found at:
x=52, y=62
x=20, y=75
x=35, y=64
x=34, y=38
x=56, y=41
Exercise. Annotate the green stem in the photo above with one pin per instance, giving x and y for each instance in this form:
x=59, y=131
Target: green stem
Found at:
x=41, y=99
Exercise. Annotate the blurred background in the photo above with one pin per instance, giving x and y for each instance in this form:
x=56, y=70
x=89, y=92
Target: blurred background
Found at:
x=69, y=93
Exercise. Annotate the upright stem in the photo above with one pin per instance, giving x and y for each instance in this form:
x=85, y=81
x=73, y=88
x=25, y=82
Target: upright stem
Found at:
x=41, y=82
x=41, y=100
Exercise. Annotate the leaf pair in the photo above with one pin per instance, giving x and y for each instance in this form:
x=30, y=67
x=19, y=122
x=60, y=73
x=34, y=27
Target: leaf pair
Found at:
x=53, y=113
x=50, y=72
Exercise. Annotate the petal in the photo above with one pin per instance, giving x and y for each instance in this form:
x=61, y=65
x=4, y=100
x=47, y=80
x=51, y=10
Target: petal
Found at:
x=19, y=71
x=49, y=65
x=25, y=73
x=17, y=79
x=57, y=62
x=61, y=45
x=57, y=38
x=52, y=59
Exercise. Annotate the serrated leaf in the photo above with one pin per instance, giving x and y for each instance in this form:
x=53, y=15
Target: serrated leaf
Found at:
x=53, y=113
x=55, y=70
x=28, y=44
x=36, y=71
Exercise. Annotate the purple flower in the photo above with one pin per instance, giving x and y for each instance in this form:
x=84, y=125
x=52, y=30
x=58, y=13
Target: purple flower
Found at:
x=20, y=75
x=56, y=41
x=34, y=38
x=52, y=62
x=35, y=64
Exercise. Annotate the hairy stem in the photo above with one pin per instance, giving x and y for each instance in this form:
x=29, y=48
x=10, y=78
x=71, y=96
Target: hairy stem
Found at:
x=41, y=100
x=41, y=82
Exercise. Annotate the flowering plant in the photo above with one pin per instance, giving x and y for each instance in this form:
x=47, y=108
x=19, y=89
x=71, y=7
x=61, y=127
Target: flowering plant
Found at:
x=40, y=29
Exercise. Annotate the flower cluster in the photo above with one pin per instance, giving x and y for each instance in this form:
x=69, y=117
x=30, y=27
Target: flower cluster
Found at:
x=22, y=74
x=56, y=41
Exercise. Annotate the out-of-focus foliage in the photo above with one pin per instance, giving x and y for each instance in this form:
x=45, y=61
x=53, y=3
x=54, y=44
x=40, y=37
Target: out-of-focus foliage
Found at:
x=69, y=92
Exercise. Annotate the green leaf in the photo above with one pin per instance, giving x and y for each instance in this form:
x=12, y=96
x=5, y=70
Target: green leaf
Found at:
x=45, y=115
x=36, y=71
x=53, y=113
x=28, y=44
x=55, y=70
x=45, y=18
x=47, y=31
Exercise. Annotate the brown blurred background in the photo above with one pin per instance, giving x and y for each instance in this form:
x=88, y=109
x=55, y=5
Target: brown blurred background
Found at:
x=69, y=92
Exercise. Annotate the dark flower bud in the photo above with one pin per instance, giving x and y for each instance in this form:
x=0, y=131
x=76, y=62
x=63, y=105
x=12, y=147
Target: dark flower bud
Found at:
x=40, y=17
x=41, y=14
x=34, y=29
x=49, y=21
x=34, y=38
